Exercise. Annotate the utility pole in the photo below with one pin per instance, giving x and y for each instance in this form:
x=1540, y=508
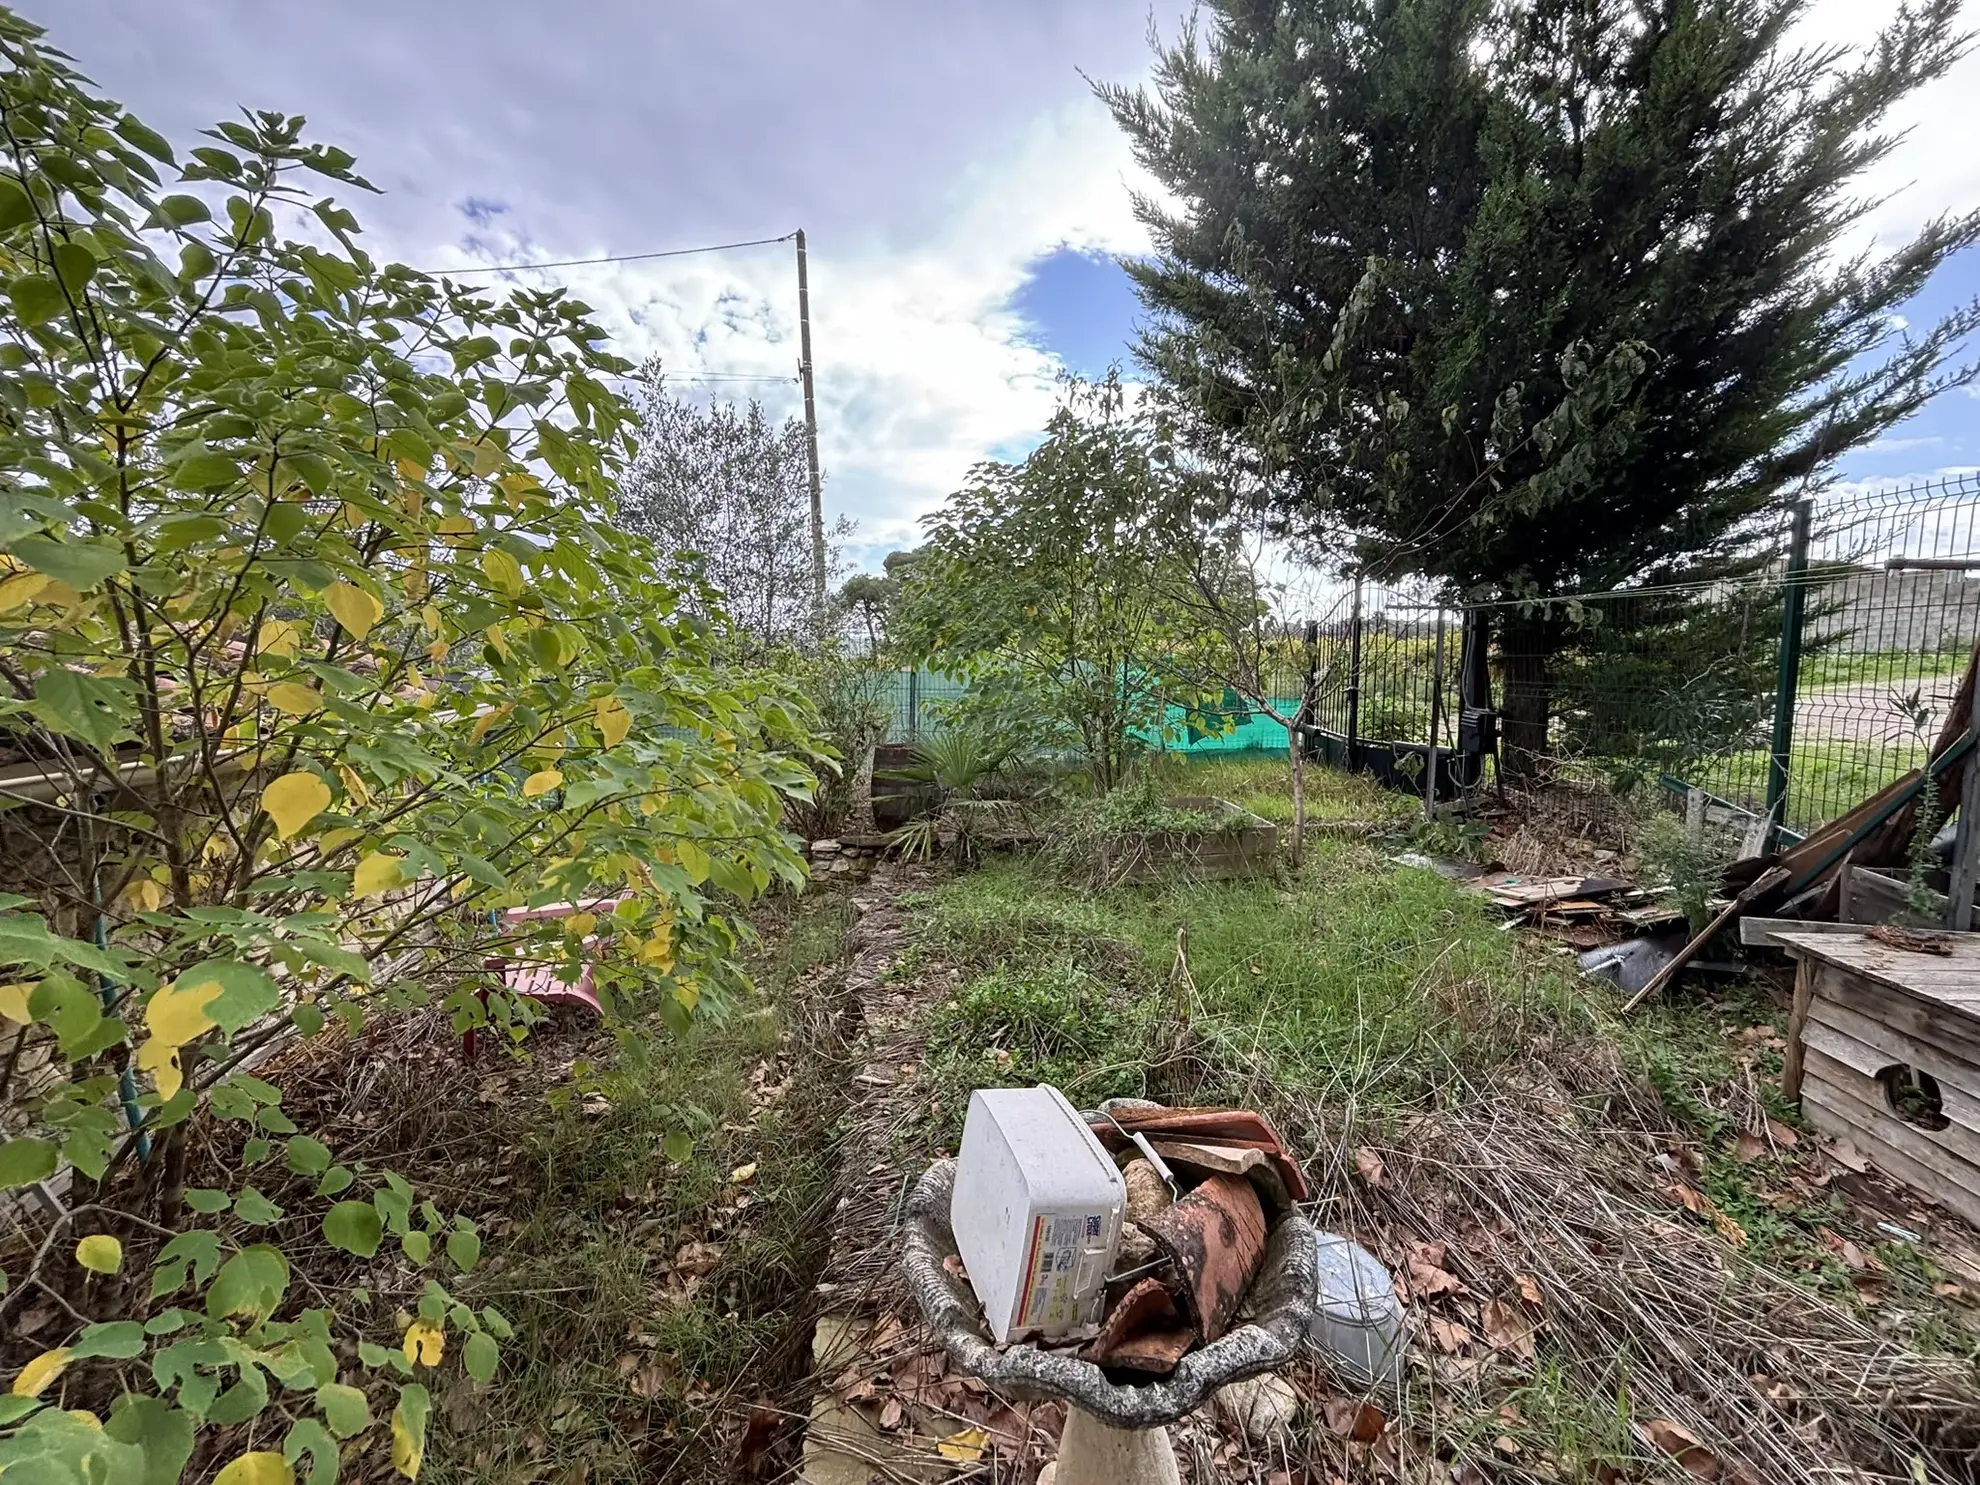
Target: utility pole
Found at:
x=811, y=443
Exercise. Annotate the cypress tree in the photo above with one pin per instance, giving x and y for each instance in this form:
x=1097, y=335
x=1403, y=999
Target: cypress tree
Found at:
x=1535, y=296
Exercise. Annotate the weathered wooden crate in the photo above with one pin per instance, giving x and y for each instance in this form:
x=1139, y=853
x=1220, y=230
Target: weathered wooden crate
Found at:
x=1248, y=846
x=1884, y=1051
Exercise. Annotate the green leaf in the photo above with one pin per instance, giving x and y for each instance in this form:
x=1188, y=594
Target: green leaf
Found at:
x=307, y=1156
x=25, y=1161
x=243, y=1400
x=15, y=207
x=118, y=1340
x=246, y=993
x=464, y=1248
x=133, y=132
x=345, y=1409
x=677, y=1146
x=255, y=1209
x=184, y=211
x=38, y=298
x=416, y=1245
x=161, y=1431
x=337, y=1178
x=203, y=471
x=354, y=1226
x=75, y=266
x=200, y=1248
x=206, y=1200
x=251, y=1283
x=496, y=1323
x=481, y=1356
x=307, y=1436
x=308, y=1019
x=97, y=710
x=80, y=564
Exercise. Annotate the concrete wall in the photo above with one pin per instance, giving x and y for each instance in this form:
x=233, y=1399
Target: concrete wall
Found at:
x=1900, y=610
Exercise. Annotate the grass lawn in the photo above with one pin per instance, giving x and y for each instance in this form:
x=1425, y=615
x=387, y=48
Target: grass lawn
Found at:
x=649, y=1292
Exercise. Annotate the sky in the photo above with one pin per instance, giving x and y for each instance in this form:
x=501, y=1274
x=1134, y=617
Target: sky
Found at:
x=964, y=196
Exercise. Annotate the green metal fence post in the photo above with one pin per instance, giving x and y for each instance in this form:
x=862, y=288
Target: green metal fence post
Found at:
x=914, y=703
x=1793, y=596
x=1354, y=682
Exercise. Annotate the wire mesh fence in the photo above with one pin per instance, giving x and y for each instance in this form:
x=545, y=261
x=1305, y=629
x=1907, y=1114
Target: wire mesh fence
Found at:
x=1725, y=687
x=1801, y=686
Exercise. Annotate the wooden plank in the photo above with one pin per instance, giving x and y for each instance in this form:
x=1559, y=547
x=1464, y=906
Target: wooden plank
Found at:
x=1839, y=1060
x=1765, y=883
x=1894, y=1147
x=1869, y=896
x=1903, y=1021
x=1793, y=1060
x=1952, y=981
x=1763, y=932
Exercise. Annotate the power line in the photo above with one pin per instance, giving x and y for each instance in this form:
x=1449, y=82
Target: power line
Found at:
x=716, y=247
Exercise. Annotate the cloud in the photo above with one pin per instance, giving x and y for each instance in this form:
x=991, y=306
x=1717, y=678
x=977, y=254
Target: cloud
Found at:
x=934, y=153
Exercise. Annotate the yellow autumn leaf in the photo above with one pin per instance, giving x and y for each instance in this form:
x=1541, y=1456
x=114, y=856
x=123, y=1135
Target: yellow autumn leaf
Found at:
x=14, y=1002
x=161, y=1060
x=280, y=637
x=295, y=799
x=613, y=720
x=411, y=470
x=424, y=1344
x=145, y=895
x=86, y=1418
x=437, y=651
x=964, y=1446
x=407, y=1450
x=262, y=1467
x=494, y=635
x=578, y=925
x=100, y=1253
x=503, y=571
x=177, y=1014
x=542, y=782
x=38, y=1373
x=429, y=618
x=294, y=698
x=22, y=589
x=354, y=608
x=331, y=842
x=687, y=995
x=378, y=874
x=487, y=720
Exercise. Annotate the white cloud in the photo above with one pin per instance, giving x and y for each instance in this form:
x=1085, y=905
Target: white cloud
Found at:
x=922, y=368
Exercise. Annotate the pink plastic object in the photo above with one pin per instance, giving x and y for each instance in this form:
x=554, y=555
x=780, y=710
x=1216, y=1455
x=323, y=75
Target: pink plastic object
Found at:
x=539, y=981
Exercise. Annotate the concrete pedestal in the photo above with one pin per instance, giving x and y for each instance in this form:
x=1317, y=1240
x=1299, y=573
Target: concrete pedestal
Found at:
x=1091, y=1453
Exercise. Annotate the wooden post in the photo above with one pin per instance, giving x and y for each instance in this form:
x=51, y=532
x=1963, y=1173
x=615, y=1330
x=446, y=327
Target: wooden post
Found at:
x=811, y=443
x=1966, y=849
x=1792, y=1059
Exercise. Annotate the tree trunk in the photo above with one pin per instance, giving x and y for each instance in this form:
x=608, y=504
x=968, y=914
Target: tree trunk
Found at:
x=1526, y=653
x=1299, y=793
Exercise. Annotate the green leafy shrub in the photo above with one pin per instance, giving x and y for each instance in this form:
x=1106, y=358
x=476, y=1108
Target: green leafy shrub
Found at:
x=312, y=621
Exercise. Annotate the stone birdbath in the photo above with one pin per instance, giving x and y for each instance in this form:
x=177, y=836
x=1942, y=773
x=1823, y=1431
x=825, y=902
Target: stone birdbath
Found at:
x=1116, y=1433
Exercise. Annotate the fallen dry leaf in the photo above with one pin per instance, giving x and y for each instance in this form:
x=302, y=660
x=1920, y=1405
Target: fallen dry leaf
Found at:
x=891, y=1414
x=1682, y=1445
x=1508, y=1328
x=1370, y=1165
x=743, y=1173
x=1783, y=1136
x=964, y=1446
x=1359, y=1421
x=1448, y=1334
x=1528, y=1290
x=1749, y=1147
x=1429, y=1282
x=1728, y=1229
x=1847, y=1155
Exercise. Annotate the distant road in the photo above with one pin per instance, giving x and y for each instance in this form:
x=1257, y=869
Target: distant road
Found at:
x=1863, y=712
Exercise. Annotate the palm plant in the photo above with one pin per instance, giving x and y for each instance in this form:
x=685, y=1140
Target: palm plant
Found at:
x=973, y=797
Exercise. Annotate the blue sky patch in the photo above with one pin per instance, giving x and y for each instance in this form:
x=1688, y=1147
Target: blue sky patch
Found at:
x=1080, y=307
